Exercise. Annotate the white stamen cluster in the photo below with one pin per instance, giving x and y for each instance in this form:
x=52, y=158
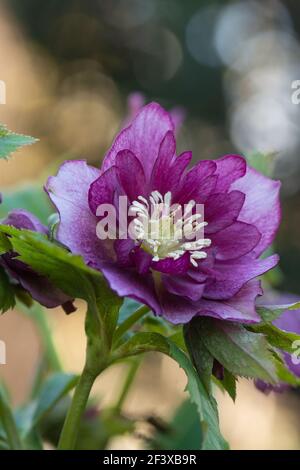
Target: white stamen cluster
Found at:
x=168, y=232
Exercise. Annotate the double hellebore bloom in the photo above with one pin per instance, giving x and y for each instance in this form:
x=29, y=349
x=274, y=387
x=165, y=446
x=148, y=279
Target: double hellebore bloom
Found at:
x=178, y=278
x=39, y=287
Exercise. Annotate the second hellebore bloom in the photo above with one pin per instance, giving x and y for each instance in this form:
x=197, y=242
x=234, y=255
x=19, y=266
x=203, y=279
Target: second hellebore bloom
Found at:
x=175, y=278
x=38, y=286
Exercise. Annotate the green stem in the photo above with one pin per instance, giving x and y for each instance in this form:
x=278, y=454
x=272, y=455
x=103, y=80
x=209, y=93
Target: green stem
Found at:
x=131, y=320
x=71, y=426
x=97, y=359
x=40, y=318
x=9, y=424
x=133, y=367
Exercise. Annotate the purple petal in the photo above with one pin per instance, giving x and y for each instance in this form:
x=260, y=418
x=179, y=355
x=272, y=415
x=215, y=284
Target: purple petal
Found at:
x=235, y=241
x=229, y=169
x=240, y=307
x=221, y=210
x=183, y=286
x=43, y=291
x=69, y=193
x=198, y=182
x=178, y=309
x=20, y=218
x=231, y=275
x=102, y=190
x=170, y=180
x=262, y=207
x=123, y=249
x=172, y=266
x=159, y=175
x=267, y=388
x=142, y=260
x=143, y=137
x=131, y=175
x=39, y=287
x=128, y=283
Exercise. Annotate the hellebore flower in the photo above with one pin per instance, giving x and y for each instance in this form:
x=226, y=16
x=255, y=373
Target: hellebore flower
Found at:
x=175, y=278
x=288, y=321
x=39, y=287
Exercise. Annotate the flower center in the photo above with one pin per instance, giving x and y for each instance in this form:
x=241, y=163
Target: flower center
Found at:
x=167, y=231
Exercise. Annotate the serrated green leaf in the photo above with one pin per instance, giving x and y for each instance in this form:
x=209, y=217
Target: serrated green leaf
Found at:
x=200, y=355
x=5, y=245
x=143, y=342
x=241, y=352
x=206, y=405
x=229, y=384
x=7, y=293
x=276, y=337
x=65, y=270
x=10, y=141
x=69, y=273
x=269, y=313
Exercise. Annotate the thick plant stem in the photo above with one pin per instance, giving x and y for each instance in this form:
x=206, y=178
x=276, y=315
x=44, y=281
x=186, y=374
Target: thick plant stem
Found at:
x=71, y=426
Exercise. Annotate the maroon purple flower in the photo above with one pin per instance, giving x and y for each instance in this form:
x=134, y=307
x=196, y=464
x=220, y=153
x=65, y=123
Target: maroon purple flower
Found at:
x=39, y=287
x=177, y=280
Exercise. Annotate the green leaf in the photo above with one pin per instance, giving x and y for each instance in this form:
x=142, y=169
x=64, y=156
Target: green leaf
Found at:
x=65, y=270
x=278, y=338
x=143, y=342
x=69, y=273
x=10, y=142
x=206, y=405
x=177, y=338
x=156, y=324
x=8, y=422
x=237, y=349
x=269, y=313
x=5, y=245
x=285, y=375
x=229, y=384
x=54, y=389
x=7, y=293
x=200, y=355
x=183, y=432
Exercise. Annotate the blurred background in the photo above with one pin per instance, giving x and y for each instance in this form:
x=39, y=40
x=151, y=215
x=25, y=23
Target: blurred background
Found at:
x=70, y=68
